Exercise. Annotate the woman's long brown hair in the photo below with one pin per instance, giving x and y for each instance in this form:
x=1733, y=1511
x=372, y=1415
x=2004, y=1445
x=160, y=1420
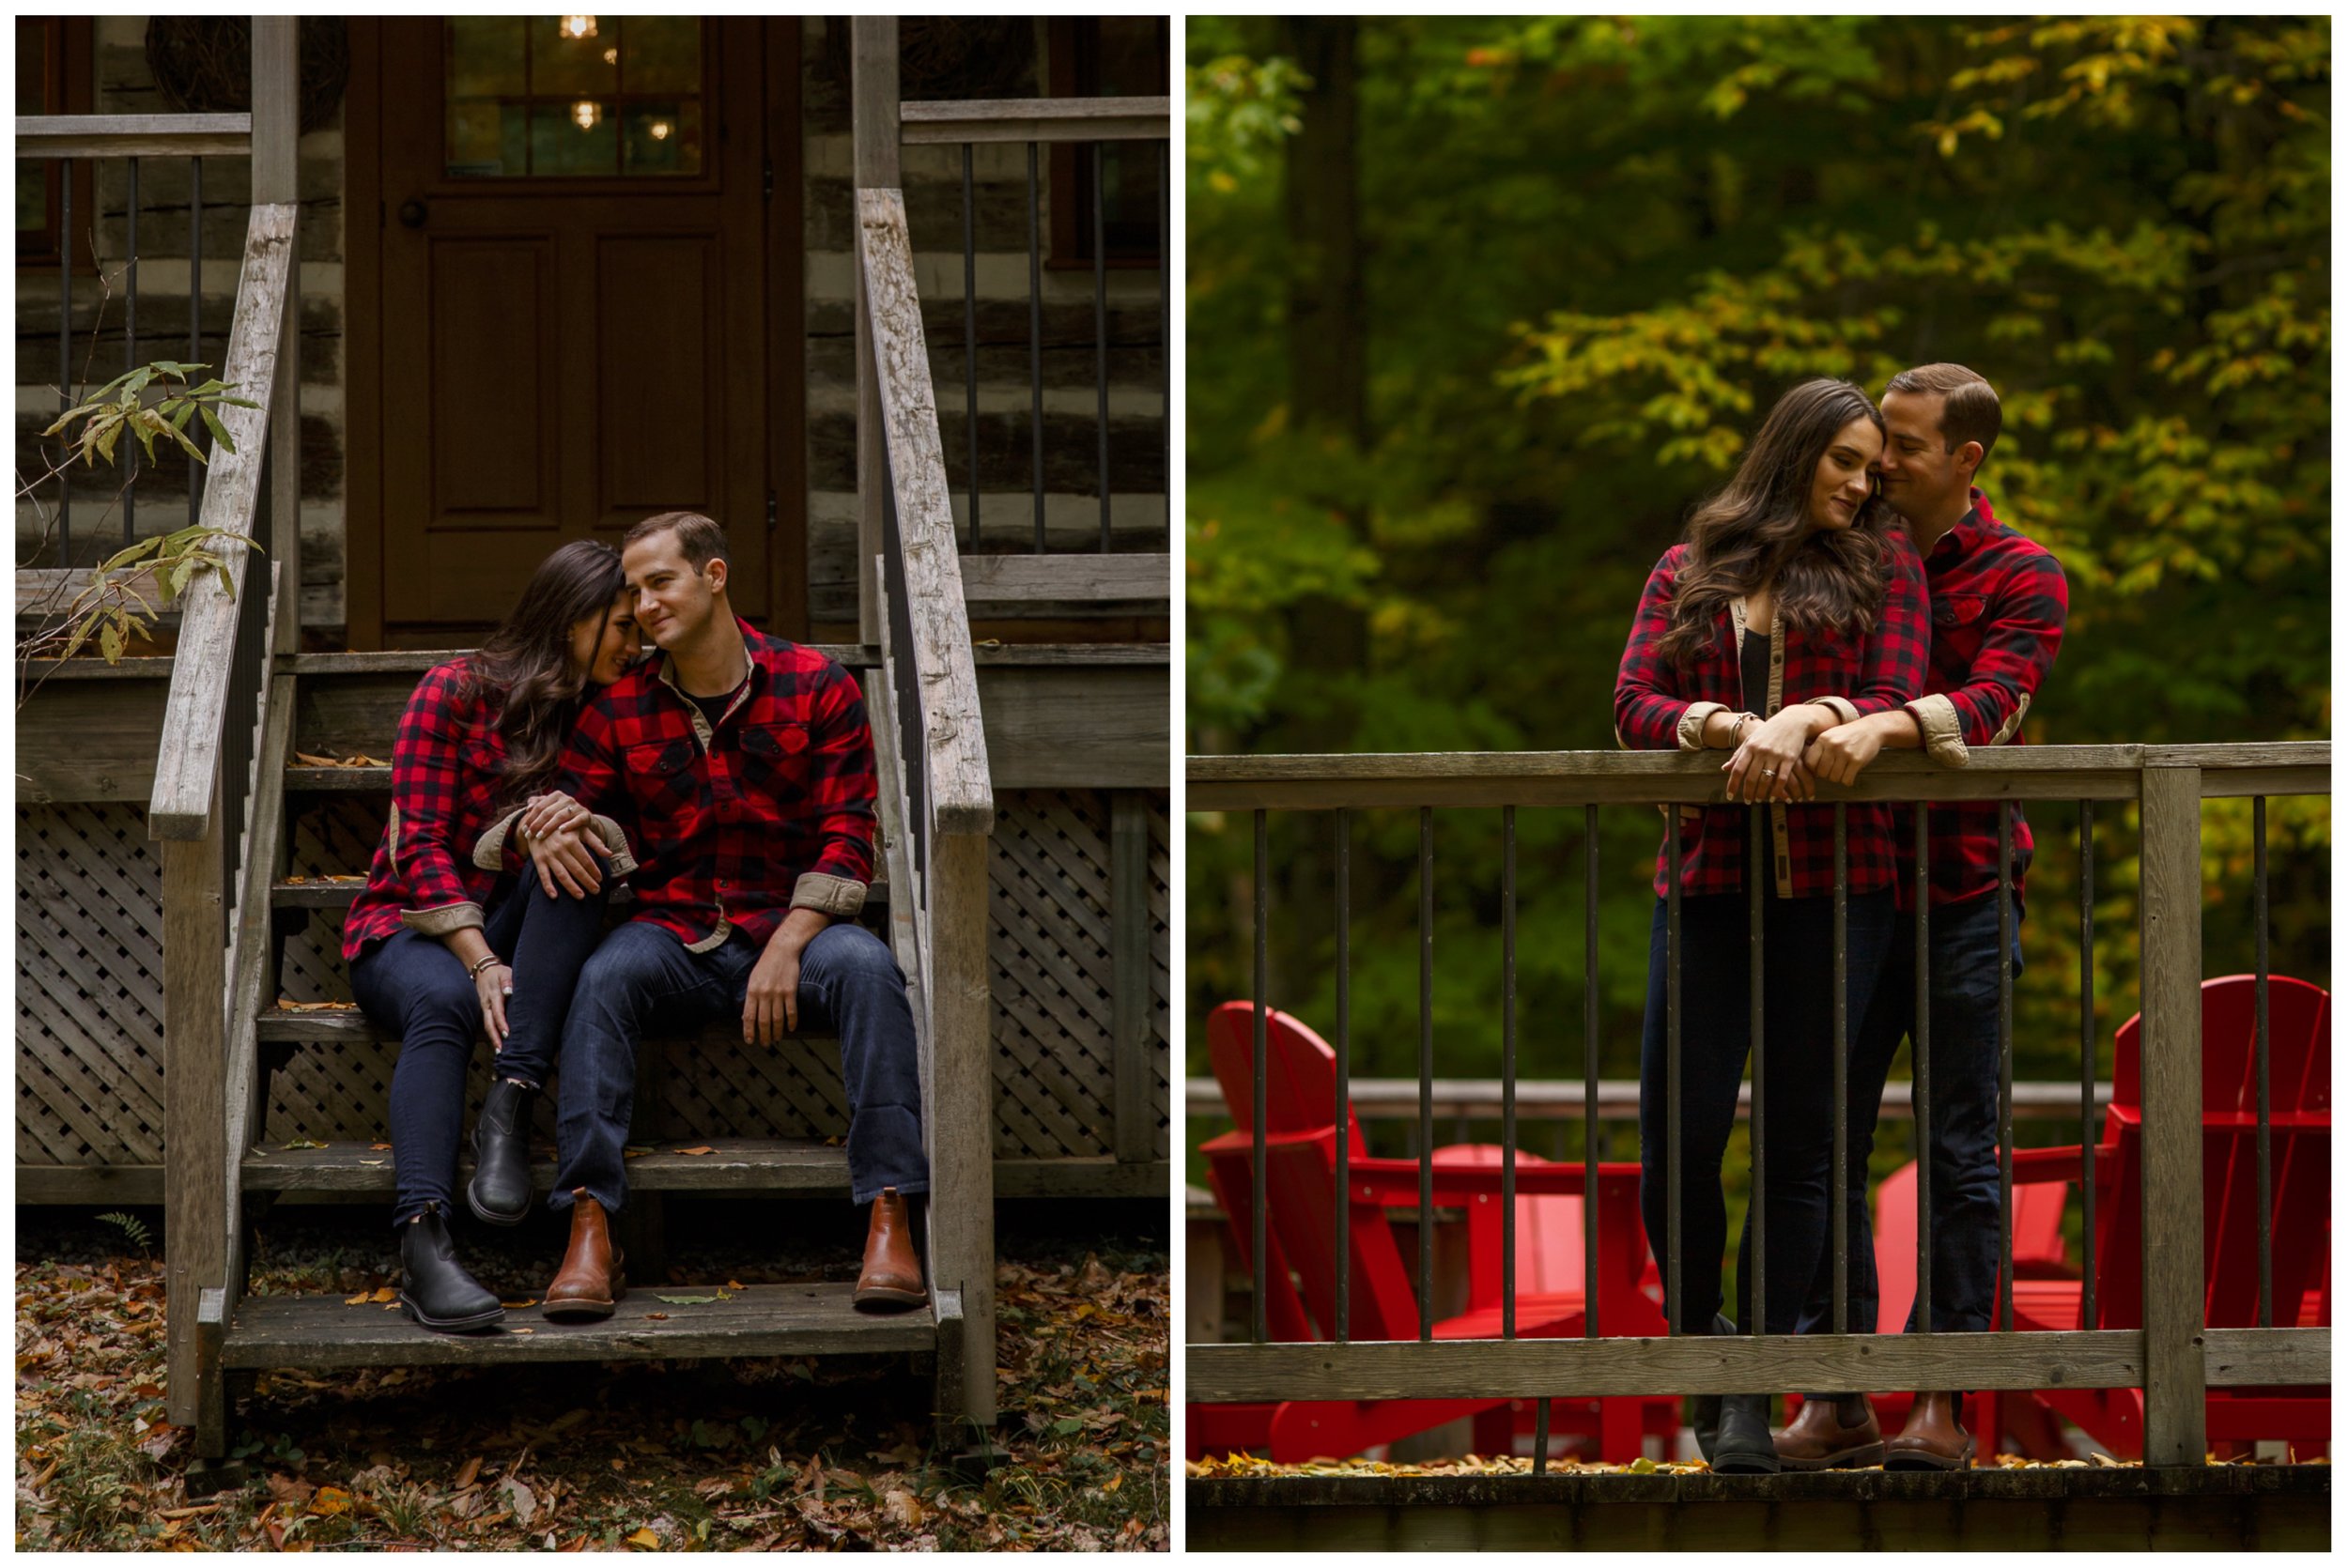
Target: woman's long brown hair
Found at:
x=523, y=670
x=1758, y=530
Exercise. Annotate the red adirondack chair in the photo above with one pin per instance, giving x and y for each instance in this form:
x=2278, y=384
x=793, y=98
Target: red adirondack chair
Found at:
x=2299, y=1077
x=1302, y=1236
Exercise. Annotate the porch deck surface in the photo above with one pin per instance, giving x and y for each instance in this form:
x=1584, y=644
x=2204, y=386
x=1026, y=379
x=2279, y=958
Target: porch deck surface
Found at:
x=2123, y=1508
x=801, y=1167
x=318, y=1332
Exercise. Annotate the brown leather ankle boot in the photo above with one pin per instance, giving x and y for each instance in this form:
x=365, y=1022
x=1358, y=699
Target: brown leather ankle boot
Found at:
x=891, y=1279
x=592, y=1278
x=1932, y=1439
x=1818, y=1439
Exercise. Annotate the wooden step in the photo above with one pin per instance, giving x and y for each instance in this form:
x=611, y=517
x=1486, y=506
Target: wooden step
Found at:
x=339, y=780
x=338, y=892
x=320, y=1332
x=800, y=1167
x=349, y=1026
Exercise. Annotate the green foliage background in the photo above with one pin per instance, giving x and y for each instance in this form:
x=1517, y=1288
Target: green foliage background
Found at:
x=1594, y=250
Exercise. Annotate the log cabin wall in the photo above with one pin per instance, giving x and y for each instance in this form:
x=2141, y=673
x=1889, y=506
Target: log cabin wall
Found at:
x=1012, y=58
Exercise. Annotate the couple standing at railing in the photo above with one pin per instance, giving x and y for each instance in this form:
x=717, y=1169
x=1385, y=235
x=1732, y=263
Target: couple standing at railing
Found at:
x=1848, y=591
x=730, y=779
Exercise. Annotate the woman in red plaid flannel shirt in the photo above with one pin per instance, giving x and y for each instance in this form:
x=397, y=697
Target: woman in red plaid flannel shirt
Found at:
x=1794, y=605
x=435, y=941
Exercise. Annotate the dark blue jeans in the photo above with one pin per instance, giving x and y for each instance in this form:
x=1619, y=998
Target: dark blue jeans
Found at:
x=1963, y=1137
x=412, y=986
x=1797, y=1133
x=642, y=979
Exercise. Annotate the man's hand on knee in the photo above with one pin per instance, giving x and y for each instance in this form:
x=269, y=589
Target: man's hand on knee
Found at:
x=770, y=1003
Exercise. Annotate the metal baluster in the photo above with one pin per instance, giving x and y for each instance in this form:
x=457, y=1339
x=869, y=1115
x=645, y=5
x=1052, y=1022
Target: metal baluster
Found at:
x=2265, y=1107
x=131, y=360
x=1260, y=1107
x=1344, y=1108
x=195, y=317
x=1756, y=843
x=1921, y=1090
x=1035, y=342
x=2087, y=1062
x=1426, y=1072
x=1589, y=1075
x=1540, y=1433
x=2005, y=1065
x=1100, y=326
x=1165, y=319
x=65, y=354
x=970, y=329
x=1673, y=1294
x=1508, y=1074
x=1842, y=1068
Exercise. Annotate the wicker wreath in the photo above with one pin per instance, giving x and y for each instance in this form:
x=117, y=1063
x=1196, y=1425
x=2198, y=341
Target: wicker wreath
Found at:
x=204, y=65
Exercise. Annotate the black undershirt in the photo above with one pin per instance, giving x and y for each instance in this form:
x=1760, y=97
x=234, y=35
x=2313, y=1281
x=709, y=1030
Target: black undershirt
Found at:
x=713, y=708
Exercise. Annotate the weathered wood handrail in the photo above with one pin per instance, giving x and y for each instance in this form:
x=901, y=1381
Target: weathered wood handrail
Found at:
x=2174, y=1357
x=133, y=135
x=913, y=606
x=195, y=713
x=1038, y=120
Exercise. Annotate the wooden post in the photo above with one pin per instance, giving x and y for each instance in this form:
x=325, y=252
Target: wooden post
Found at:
x=961, y=1116
x=2175, y=1375
x=276, y=165
x=195, y=1109
x=1129, y=974
x=873, y=78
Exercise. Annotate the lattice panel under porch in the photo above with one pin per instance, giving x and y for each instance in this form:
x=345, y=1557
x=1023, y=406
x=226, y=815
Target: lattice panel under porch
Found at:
x=1161, y=968
x=332, y=835
x=1049, y=946
x=89, y=984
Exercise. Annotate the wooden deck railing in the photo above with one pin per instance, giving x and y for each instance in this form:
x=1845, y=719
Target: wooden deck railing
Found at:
x=937, y=786
x=2174, y=1357
x=217, y=793
x=994, y=580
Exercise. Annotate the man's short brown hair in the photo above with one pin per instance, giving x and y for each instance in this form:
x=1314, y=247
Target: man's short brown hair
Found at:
x=700, y=538
x=1968, y=410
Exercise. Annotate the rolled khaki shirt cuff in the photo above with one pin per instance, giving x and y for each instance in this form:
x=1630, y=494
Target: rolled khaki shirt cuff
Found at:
x=1843, y=708
x=1944, y=736
x=489, y=854
x=443, y=920
x=1692, y=724
x=840, y=897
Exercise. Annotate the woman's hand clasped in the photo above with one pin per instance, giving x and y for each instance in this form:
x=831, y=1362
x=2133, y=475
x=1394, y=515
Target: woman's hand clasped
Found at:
x=1768, y=765
x=492, y=986
x=550, y=812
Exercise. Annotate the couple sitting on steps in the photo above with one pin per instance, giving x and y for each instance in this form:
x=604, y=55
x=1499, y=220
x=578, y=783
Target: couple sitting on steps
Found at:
x=730, y=780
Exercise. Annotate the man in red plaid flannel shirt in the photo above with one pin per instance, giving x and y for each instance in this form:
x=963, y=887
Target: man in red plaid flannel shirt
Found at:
x=1998, y=603
x=741, y=767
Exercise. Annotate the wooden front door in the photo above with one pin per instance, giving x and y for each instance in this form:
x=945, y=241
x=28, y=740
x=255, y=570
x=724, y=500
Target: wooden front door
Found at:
x=574, y=276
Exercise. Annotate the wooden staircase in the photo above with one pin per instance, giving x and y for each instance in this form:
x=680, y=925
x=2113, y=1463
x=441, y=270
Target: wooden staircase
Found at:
x=240, y=1334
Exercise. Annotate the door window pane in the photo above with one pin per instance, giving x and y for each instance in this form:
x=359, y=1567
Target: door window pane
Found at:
x=574, y=96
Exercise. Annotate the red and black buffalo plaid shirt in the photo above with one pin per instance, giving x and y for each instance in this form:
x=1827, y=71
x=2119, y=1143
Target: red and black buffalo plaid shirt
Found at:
x=1872, y=674
x=446, y=767
x=728, y=819
x=1998, y=603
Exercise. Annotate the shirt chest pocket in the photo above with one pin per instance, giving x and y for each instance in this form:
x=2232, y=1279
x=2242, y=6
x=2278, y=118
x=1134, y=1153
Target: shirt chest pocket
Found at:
x=660, y=766
x=1957, y=610
x=774, y=756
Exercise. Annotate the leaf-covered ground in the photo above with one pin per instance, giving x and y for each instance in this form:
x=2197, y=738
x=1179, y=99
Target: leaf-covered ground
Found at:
x=834, y=1453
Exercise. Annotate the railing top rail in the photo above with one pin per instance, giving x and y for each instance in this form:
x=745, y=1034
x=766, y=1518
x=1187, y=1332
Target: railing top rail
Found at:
x=133, y=135
x=1694, y=777
x=960, y=793
x=1038, y=120
x=195, y=707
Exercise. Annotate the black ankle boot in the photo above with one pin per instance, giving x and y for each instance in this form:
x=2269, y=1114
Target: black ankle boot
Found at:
x=1705, y=1421
x=1744, y=1446
x=434, y=1288
x=500, y=1189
